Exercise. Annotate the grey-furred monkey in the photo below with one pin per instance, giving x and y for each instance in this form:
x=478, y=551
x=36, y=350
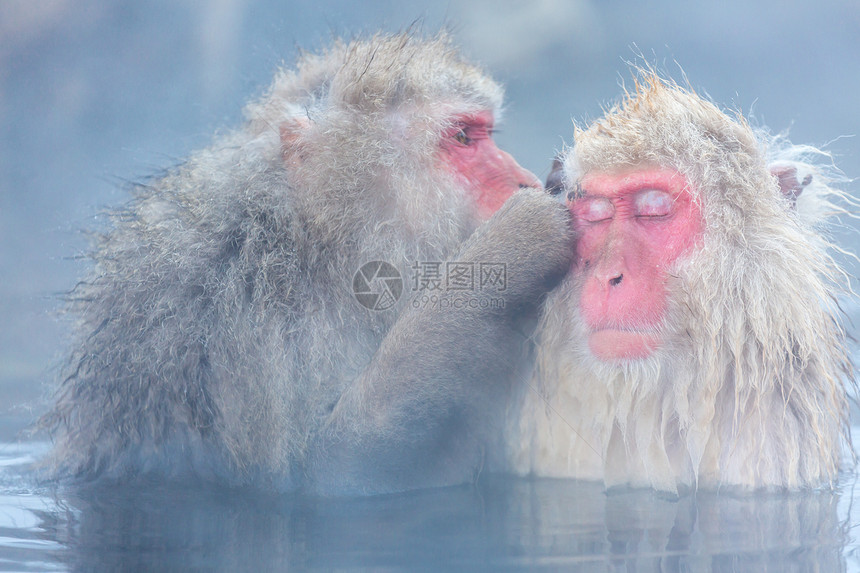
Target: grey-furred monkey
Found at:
x=218, y=335
x=697, y=340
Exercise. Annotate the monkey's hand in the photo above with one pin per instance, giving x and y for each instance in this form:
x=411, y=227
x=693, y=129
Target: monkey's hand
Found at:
x=523, y=251
x=429, y=405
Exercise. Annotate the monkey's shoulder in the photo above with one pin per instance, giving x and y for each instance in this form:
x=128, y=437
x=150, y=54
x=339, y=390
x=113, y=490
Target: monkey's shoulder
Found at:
x=181, y=243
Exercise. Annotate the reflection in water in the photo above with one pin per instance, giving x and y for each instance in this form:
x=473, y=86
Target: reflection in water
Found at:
x=501, y=522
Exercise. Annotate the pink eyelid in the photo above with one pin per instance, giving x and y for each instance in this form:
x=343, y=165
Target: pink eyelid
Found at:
x=645, y=203
x=653, y=203
x=596, y=209
x=477, y=131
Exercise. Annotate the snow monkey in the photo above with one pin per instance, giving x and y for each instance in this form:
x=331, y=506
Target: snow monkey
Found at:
x=696, y=342
x=218, y=335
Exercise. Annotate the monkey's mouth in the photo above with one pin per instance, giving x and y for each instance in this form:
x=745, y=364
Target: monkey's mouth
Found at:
x=613, y=344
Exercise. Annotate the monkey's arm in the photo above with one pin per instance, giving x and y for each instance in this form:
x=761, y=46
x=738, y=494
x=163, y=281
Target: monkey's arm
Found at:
x=434, y=393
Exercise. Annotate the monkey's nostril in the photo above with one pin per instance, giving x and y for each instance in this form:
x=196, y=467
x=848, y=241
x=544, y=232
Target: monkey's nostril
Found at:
x=615, y=281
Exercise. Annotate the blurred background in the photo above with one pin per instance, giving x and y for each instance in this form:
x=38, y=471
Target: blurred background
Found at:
x=95, y=94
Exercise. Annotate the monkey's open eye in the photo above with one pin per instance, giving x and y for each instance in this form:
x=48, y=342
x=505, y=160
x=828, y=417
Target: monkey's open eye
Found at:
x=595, y=209
x=653, y=203
x=462, y=137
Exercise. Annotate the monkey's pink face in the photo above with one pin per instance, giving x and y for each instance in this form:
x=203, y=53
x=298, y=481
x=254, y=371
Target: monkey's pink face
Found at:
x=488, y=173
x=634, y=225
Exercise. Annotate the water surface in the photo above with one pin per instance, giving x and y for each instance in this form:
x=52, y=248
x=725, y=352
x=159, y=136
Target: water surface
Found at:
x=501, y=523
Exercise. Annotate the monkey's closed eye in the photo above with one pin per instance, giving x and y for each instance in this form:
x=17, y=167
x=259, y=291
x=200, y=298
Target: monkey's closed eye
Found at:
x=595, y=209
x=653, y=203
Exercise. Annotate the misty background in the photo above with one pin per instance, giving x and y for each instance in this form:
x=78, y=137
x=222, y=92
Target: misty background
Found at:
x=96, y=94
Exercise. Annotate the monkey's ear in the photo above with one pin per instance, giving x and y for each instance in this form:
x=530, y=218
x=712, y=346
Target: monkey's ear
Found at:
x=291, y=132
x=555, y=180
x=789, y=183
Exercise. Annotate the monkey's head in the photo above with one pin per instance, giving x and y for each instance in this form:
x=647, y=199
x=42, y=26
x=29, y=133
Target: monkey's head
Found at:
x=694, y=240
x=393, y=126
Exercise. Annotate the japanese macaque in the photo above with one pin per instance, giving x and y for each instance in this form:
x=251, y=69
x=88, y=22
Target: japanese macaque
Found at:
x=696, y=342
x=218, y=335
